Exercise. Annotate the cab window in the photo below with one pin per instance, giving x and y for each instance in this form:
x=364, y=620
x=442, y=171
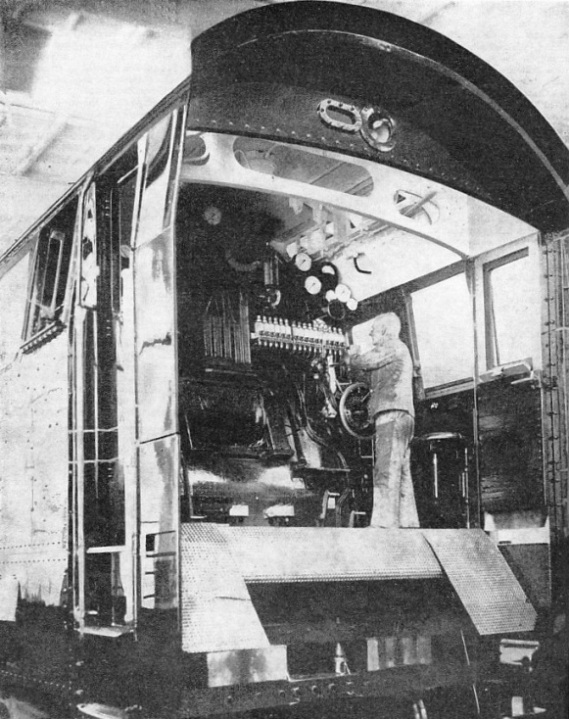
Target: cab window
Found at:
x=50, y=271
x=508, y=309
x=442, y=315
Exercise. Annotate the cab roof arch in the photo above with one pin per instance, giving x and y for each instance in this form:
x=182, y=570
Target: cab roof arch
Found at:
x=459, y=122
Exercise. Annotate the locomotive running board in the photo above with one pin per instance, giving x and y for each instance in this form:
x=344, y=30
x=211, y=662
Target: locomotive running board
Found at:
x=326, y=554
x=219, y=561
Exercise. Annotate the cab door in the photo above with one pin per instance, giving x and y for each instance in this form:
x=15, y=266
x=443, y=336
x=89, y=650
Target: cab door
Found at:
x=155, y=355
x=104, y=481
x=125, y=446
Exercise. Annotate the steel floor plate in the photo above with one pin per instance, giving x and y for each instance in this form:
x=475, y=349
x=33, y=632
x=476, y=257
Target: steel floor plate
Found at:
x=219, y=561
x=483, y=580
x=327, y=554
x=217, y=612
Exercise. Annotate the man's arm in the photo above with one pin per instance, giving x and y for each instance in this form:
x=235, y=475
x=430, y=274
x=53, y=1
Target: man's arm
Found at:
x=369, y=360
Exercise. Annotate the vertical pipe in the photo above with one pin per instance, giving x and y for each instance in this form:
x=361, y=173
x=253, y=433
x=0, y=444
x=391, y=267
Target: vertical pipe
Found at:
x=466, y=488
x=79, y=485
x=474, y=690
x=470, y=272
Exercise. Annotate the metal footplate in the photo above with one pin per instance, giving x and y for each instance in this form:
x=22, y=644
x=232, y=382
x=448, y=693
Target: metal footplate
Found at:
x=327, y=554
x=218, y=562
x=217, y=611
x=483, y=580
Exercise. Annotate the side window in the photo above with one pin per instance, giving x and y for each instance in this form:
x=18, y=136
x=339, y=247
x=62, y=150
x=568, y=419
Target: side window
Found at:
x=442, y=315
x=50, y=271
x=509, y=302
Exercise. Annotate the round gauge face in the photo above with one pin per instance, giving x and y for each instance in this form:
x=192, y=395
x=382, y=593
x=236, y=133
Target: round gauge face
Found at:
x=336, y=310
x=312, y=285
x=327, y=268
x=343, y=292
x=303, y=261
x=212, y=215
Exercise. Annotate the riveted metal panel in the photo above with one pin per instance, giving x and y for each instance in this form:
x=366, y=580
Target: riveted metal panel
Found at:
x=34, y=471
x=483, y=580
x=217, y=611
x=306, y=554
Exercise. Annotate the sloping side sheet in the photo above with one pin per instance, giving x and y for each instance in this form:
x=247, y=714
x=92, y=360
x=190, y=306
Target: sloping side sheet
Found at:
x=483, y=580
x=324, y=554
x=217, y=612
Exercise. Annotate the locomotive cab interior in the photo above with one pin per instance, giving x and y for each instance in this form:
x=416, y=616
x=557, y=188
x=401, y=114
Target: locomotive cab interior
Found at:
x=283, y=262
x=274, y=287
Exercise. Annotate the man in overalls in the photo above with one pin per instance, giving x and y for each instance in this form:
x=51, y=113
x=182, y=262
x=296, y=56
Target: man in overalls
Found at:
x=391, y=405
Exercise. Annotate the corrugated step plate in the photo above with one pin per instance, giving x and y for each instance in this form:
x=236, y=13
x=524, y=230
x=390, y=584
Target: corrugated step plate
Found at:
x=217, y=611
x=483, y=580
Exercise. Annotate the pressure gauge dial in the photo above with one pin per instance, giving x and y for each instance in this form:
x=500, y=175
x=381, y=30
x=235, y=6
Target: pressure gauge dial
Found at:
x=303, y=261
x=343, y=292
x=328, y=275
x=327, y=268
x=312, y=285
x=336, y=310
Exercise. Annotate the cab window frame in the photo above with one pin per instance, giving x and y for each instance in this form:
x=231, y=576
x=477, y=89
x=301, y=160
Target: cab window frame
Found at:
x=491, y=339
x=439, y=276
x=50, y=266
x=530, y=359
